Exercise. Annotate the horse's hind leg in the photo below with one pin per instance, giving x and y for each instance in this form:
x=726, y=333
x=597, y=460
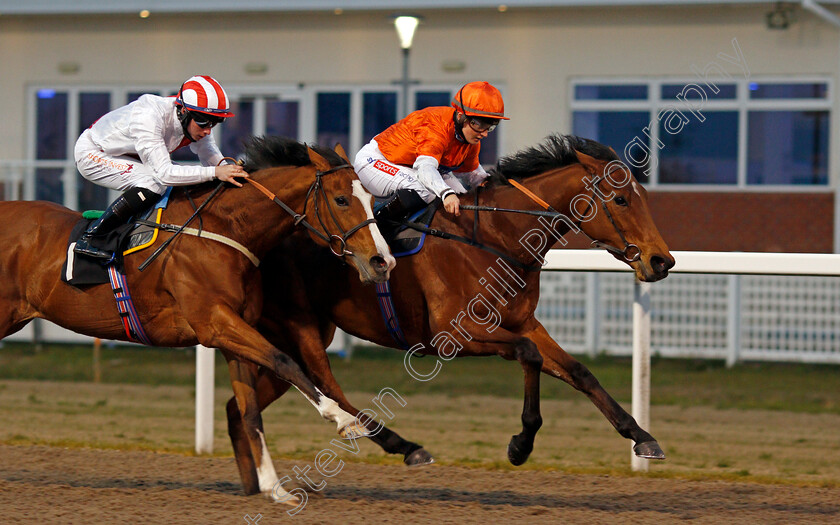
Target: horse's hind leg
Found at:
x=557, y=363
x=521, y=445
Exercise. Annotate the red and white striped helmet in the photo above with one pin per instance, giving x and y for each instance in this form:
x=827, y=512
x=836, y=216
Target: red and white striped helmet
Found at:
x=203, y=94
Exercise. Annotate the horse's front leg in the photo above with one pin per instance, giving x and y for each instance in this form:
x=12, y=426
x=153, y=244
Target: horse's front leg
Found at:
x=228, y=331
x=306, y=339
x=556, y=362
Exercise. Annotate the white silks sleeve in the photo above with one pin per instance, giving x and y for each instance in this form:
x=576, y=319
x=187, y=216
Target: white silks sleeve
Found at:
x=476, y=176
x=208, y=152
x=454, y=182
x=428, y=175
x=151, y=148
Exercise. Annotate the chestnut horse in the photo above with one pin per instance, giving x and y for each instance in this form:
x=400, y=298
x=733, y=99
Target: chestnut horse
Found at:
x=456, y=300
x=200, y=290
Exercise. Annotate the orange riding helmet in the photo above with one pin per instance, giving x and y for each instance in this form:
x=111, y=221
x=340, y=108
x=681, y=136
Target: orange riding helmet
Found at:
x=480, y=99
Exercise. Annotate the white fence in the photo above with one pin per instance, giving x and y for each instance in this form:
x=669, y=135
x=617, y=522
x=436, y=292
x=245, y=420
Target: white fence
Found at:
x=687, y=262
x=778, y=317
x=731, y=317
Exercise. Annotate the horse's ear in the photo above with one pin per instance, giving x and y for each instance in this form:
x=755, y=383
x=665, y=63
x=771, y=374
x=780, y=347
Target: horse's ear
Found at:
x=585, y=159
x=341, y=152
x=317, y=160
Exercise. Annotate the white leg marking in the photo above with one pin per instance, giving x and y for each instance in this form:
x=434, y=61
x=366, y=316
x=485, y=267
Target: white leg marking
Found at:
x=360, y=193
x=330, y=410
x=266, y=474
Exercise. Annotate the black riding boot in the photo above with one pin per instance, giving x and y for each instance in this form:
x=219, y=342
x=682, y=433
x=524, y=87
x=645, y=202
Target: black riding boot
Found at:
x=397, y=208
x=130, y=203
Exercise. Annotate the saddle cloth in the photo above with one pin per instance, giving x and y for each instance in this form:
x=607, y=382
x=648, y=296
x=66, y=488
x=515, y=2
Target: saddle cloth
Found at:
x=128, y=238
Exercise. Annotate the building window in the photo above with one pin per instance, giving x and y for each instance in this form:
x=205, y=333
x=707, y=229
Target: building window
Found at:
x=91, y=107
x=745, y=134
x=51, y=142
x=615, y=128
x=701, y=154
x=282, y=117
x=327, y=115
x=788, y=147
x=333, y=119
x=379, y=110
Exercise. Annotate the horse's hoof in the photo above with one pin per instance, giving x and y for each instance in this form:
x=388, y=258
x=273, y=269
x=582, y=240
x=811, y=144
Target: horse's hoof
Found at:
x=648, y=450
x=353, y=431
x=419, y=458
x=287, y=498
x=518, y=450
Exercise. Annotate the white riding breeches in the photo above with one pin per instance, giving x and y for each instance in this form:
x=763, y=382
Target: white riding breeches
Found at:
x=117, y=172
x=383, y=178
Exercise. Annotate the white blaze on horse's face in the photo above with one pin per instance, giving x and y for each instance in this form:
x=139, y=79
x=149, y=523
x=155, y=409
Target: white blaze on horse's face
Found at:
x=360, y=193
x=636, y=189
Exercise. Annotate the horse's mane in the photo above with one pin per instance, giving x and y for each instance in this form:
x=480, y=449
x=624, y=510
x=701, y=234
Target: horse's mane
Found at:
x=554, y=152
x=273, y=151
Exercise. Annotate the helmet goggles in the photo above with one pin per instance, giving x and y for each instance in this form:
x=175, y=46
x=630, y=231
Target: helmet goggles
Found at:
x=482, y=124
x=205, y=121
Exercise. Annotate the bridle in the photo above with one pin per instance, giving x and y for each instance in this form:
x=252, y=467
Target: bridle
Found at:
x=336, y=241
x=630, y=253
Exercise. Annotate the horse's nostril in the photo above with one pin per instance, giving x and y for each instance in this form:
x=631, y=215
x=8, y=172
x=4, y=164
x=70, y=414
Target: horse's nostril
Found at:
x=379, y=264
x=661, y=264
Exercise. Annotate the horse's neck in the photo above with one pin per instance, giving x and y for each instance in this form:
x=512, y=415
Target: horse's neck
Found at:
x=509, y=229
x=256, y=221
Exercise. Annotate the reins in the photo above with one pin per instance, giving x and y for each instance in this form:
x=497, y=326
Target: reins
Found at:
x=338, y=250
x=471, y=242
x=163, y=246
x=630, y=253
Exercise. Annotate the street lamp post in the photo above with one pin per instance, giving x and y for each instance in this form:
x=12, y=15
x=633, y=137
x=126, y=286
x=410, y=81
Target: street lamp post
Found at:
x=406, y=25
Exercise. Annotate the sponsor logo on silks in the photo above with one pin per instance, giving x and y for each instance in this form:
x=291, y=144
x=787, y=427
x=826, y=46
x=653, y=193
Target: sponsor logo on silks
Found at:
x=387, y=168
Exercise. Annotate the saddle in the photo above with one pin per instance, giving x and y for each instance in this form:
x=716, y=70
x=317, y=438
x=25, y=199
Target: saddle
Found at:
x=128, y=238
x=405, y=241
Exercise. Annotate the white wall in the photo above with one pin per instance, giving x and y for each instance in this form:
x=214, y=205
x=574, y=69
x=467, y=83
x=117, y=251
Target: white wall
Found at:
x=534, y=53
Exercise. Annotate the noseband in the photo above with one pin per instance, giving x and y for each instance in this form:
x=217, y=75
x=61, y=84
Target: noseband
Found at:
x=336, y=241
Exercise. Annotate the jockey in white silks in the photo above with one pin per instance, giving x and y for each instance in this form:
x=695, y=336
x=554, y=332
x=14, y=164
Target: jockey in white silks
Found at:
x=129, y=150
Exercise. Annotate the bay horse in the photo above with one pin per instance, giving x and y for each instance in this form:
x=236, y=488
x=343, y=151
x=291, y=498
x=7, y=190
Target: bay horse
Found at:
x=200, y=290
x=456, y=300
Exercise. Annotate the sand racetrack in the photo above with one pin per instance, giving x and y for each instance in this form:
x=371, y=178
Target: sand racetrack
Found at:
x=49, y=485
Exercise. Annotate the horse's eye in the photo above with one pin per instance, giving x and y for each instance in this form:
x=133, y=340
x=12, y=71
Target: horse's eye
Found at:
x=621, y=201
x=342, y=201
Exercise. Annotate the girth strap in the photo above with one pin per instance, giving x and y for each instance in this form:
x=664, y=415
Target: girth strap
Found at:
x=389, y=314
x=205, y=235
x=128, y=314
